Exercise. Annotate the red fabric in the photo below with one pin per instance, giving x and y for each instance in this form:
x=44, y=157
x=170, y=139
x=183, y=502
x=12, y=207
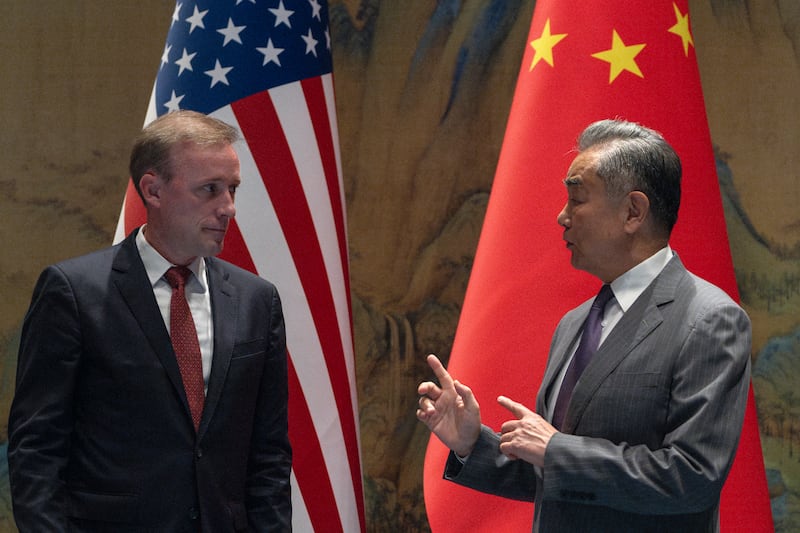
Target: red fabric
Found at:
x=522, y=281
x=183, y=333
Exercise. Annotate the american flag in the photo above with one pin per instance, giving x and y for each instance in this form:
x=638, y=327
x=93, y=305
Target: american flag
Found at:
x=265, y=66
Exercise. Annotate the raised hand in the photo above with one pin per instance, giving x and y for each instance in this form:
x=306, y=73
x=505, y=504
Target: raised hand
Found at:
x=449, y=410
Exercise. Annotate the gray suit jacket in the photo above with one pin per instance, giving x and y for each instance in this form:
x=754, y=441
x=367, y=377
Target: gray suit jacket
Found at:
x=653, y=424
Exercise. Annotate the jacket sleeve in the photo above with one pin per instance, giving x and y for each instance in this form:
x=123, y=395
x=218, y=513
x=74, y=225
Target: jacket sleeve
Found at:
x=269, y=506
x=41, y=418
x=488, y=470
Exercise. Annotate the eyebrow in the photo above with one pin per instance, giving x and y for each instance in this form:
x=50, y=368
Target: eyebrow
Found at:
x=221, y=179
x=573, y=181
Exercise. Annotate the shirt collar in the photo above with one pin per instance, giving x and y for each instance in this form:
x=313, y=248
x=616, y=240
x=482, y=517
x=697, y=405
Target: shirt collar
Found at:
x=156, y=266
x=629, y=286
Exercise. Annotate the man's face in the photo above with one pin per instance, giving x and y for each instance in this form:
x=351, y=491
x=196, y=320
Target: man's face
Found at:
x=593, y=224
x=196, y=205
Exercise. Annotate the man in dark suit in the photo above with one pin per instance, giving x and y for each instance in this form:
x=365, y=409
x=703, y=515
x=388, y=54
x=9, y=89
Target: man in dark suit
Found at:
x=123, y=419
x=644, y=437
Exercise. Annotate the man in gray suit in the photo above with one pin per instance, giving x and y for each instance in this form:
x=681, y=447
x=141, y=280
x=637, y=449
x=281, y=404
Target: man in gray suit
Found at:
x=644, y=437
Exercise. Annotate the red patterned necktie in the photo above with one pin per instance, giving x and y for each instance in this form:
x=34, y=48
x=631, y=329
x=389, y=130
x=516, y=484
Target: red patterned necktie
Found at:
x=590, y=341
x=184, y=341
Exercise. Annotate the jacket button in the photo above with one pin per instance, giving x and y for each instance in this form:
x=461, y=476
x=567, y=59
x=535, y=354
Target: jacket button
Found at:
x=199, y=453
x=193, y=514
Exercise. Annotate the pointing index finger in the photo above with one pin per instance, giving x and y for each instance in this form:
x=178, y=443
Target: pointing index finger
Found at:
x=445, y=380
x=516, y=408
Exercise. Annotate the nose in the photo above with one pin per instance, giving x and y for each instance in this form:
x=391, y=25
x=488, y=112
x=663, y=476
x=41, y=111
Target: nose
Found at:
x=563, y=218
x=227, y=208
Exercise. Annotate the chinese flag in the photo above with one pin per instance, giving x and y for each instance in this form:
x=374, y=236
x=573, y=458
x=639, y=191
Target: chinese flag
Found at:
x=583, y=61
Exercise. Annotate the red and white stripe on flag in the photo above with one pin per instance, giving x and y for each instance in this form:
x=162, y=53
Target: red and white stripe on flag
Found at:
x=290, y=229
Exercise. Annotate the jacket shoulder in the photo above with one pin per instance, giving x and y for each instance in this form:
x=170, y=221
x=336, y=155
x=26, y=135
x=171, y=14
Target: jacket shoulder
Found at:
x=237, y=275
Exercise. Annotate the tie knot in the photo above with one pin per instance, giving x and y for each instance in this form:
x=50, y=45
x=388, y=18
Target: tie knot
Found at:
x=177, y=276
x=603, y=297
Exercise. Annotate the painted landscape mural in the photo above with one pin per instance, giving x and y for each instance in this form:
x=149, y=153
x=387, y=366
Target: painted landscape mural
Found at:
x=423, y=93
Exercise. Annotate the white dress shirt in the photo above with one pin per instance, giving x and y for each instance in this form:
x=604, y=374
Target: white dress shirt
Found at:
x=627, y=288
x=197, y=295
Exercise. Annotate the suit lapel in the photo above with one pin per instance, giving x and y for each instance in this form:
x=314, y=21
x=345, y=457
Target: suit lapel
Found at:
x=565, y=338
x=131, y=280
x=636, y=324
x=224, y=309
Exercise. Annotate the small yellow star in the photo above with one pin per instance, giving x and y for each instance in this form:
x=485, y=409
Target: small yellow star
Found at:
x=681, y=29
x=620, y=57
x=544, y=45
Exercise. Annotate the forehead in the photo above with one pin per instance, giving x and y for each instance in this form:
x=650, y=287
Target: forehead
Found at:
x=213, y=159
x=582, y=172
x=189, y=150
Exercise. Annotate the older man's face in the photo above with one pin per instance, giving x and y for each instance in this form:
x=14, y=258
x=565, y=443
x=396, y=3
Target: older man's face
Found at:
x=593, y=224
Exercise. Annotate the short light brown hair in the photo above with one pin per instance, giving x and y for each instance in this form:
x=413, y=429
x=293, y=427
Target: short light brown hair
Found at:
x=152, y=147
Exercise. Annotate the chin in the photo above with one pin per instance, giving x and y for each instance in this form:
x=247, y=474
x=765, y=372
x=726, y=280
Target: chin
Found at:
x=577, y=264
x=211, y=250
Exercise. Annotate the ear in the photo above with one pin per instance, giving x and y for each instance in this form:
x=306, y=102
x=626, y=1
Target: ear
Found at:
x=150, y=185
x=637, y=206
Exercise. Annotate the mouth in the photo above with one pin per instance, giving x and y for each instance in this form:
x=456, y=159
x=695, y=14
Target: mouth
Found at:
x=217, y=233
x=223, y=228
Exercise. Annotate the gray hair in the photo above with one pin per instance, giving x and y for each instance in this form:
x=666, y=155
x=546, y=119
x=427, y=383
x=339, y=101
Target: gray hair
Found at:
x=152, y=148
x=635, y=158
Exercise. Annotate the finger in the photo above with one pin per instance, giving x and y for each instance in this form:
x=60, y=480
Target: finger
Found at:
x=504, y=449
x=425, y=404
x=429, y=389
x=466, y=395
x=509, y=426
x=517, y=409
x=445, y=381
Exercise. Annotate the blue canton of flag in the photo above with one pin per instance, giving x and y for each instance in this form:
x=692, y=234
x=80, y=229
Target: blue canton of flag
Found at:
x=217, y=54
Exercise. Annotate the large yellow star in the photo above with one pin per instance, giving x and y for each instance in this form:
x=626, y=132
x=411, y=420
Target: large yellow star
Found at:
x=681, y=29
x=620, y=57
x=544, y=45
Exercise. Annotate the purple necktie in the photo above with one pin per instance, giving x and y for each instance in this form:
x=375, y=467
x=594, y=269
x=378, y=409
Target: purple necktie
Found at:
x=184, y=340
x=590, y=340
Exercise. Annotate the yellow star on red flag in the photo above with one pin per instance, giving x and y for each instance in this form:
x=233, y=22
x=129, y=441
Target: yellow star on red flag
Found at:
x=621, y=57
x=681, y=29
x=544, y=45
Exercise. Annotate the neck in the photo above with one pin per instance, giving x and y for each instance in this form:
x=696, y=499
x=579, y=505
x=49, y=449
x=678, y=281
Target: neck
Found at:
x=159, y=245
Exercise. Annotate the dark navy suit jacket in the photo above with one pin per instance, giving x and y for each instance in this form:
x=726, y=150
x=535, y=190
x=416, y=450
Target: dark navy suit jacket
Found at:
x=100, y=434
